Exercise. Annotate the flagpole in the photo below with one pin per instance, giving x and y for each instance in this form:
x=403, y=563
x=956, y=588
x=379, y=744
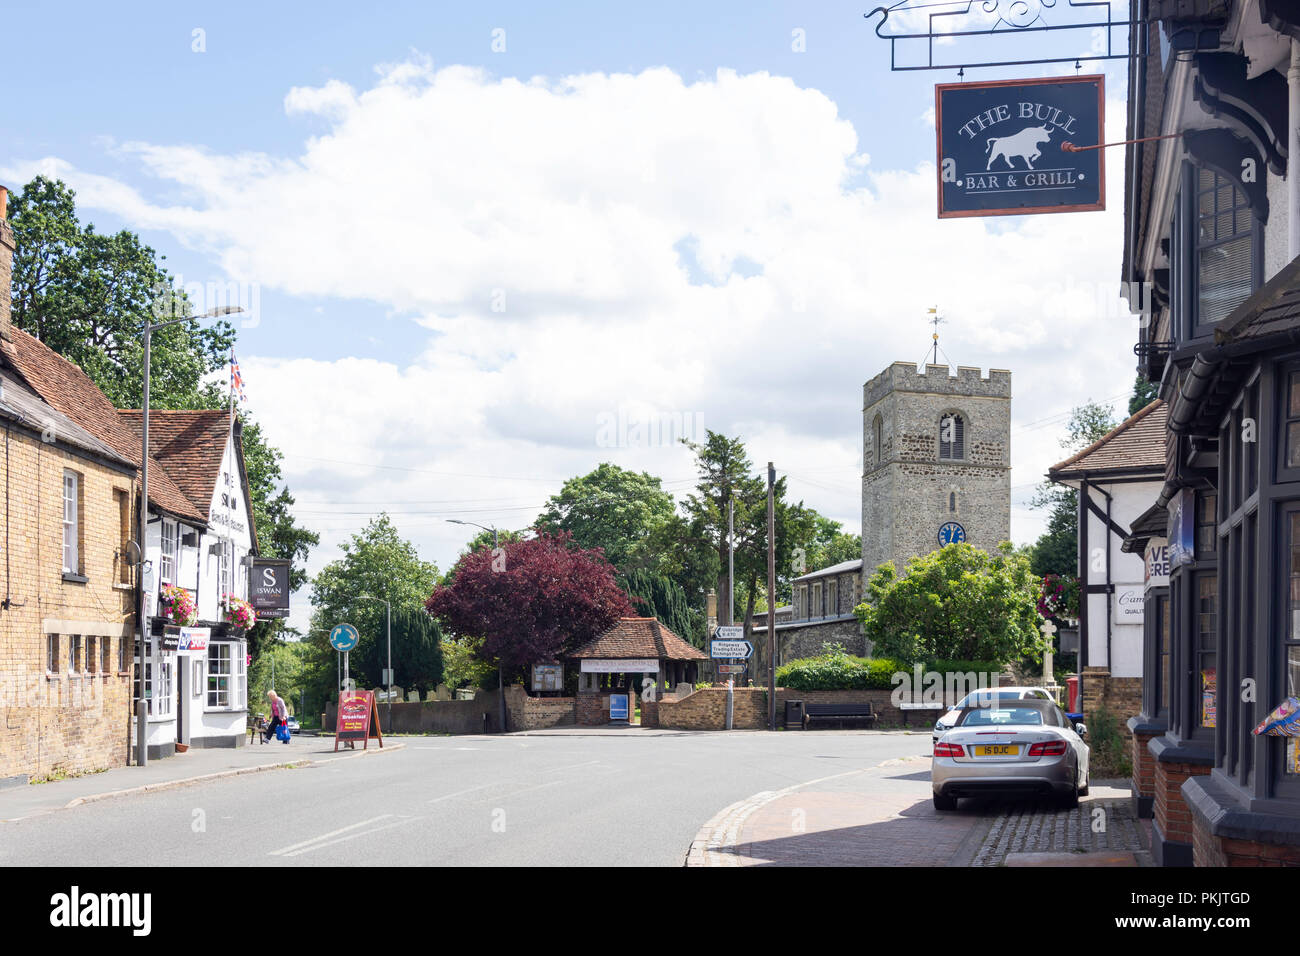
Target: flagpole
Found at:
x=228, y=546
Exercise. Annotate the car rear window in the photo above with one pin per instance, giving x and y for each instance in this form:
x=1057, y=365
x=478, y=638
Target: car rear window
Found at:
x=1002, y=716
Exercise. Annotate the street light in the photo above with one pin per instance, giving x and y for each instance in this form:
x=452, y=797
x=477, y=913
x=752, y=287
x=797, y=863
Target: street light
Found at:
x=141, y=709
x=388, y=615
x=501, y=689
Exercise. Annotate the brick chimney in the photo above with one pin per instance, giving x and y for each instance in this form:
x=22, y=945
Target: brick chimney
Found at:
x=6, y=262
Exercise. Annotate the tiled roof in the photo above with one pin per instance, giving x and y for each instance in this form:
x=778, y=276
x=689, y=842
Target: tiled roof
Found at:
x=1274, y=309
x=842, y=568
x=68, y=390
x=189, y=444
x=20, y=404
x=639, y=638
x=1135, y=445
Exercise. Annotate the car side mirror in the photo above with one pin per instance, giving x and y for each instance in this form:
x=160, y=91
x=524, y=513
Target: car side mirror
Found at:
x=1081, y=729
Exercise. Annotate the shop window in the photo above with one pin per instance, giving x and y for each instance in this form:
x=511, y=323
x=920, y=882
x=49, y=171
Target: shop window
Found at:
x=952, y=437
x=1163, y=632
x=1206, y=525
x=1291, y=761
x=157, y=674
x=1292, y=424
x=227, y=678
x=1207, y=644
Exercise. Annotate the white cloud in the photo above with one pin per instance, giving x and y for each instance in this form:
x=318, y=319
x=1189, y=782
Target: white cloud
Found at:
x=441, y=193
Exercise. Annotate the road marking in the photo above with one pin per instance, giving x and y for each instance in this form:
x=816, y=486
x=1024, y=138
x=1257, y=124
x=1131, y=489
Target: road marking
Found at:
x=460, y=793
x=515, y=793
x=587, y=763
x=326, y=836
x=352, y=836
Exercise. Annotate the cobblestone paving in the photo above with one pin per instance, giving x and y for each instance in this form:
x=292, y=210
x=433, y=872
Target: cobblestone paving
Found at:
x=1096, y=826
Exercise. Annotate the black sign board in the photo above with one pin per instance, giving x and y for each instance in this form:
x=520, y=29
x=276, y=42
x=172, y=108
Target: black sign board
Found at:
x=999, y=146
x=268, y=588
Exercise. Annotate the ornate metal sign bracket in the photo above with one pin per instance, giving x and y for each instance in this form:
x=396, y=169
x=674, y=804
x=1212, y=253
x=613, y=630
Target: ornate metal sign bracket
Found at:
x=962, y=26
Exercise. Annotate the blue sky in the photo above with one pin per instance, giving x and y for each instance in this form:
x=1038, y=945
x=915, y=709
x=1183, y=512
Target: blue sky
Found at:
x=644, y=230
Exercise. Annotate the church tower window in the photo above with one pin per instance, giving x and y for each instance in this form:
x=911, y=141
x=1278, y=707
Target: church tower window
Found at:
x=952, y=437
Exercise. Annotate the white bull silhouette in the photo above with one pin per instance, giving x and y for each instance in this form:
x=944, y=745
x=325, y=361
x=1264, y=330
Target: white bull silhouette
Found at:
x=1023, y=144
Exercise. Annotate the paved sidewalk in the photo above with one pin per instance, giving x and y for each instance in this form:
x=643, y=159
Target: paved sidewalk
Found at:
x=19, y=802
x=884, y=816
x=881, y=816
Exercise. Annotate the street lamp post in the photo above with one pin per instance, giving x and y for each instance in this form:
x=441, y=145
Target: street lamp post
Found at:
x=501, y=690
x=388, y=617
x=141, y=708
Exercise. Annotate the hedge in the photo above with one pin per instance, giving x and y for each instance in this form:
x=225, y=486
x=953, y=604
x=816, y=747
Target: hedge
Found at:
x=836, y=670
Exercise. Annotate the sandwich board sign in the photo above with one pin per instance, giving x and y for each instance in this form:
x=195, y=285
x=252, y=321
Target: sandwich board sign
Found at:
x=358, y=719
x=999, y=146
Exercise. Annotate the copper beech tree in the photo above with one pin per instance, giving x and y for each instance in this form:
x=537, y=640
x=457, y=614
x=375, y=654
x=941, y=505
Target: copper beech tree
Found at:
x=531, y=601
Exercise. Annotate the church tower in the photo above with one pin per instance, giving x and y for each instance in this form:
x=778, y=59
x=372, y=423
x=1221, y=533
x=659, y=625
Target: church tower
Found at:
x=936, y=462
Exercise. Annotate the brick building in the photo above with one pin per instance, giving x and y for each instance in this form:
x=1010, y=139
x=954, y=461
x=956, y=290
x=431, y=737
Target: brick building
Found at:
x=72, y=565
x=936, y=461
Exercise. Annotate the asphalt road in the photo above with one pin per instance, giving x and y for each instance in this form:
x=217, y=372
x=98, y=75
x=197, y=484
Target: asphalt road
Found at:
x=635, y=798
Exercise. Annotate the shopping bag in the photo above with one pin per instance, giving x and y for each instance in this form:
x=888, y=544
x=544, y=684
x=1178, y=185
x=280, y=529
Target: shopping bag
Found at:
x=282, y=733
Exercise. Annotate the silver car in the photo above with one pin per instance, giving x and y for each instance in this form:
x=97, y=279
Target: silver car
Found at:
x=1025, y=746
x=949, y=719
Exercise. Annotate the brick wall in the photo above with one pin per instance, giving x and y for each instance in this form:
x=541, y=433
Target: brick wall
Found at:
x=706, y=709
x=536, y=713
x=1172, y=815
x=592, y=710
x=1209, y=850
x=1122, y=696
x=1144, y=765
x=61, y=721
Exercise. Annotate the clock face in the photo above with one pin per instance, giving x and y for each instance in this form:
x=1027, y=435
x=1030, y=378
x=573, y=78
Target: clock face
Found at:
x=952, y=533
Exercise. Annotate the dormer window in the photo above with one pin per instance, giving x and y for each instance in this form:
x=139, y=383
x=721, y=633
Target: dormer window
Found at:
x=952, y=437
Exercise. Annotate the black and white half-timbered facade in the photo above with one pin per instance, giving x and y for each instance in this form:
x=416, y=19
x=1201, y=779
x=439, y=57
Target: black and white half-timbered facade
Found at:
x=1212, y=235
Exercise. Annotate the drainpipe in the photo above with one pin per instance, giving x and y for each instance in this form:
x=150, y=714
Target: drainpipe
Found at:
x=1293, y=153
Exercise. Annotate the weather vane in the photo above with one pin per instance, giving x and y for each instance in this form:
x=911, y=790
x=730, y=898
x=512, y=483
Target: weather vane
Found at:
x=934, y=311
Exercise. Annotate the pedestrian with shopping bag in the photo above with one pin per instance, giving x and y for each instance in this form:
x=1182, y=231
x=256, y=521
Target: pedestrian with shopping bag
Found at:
x=279, y=714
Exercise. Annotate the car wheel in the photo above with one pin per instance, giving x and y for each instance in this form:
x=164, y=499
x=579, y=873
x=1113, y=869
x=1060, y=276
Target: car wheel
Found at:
x=944, y=802
x=1083, y=791
x=1070, y=801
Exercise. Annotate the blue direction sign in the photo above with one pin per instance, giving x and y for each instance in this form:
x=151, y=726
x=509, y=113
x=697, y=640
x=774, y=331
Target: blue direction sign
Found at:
x=344, y=637
x=1011, y=147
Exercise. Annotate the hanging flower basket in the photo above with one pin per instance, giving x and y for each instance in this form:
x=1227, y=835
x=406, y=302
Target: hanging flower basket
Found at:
x=238, y=612
x=177, y=606
x=1058, y=597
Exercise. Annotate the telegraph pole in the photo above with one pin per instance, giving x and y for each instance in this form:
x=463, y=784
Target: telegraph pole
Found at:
x=771, y=596
x=731, y=559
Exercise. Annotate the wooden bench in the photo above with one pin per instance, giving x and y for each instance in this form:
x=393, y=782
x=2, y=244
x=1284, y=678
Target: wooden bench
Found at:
x=840, y=712
x=908, y=706
x=257, y=725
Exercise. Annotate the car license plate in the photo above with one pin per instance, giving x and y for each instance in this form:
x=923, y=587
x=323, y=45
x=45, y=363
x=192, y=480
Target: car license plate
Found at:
x=997, y=750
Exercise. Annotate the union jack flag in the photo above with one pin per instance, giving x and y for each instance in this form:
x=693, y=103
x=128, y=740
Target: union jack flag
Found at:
x=236, y=380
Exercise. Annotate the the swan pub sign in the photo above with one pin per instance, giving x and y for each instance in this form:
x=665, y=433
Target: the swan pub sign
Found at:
x=1000, y=146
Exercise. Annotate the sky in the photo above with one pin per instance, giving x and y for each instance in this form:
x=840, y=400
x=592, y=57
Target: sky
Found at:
x=485, y=247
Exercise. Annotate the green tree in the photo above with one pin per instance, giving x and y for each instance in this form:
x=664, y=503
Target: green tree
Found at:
x=1144, y=393
x=86, y=295
x=614, y=509
x=1057, y=550
x=463, y=664
x=955, y=603
x=658, y=596
x=830, y=545
x=417, y=651
x=379, y=563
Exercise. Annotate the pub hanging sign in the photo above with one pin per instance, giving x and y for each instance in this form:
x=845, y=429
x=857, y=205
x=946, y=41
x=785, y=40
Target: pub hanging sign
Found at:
x=999, y=146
